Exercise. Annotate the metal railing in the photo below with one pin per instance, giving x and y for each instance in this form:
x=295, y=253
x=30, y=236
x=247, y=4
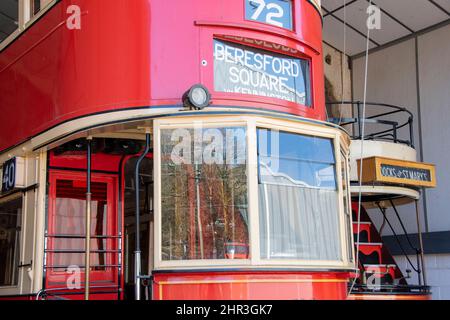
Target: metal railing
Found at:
x=389, y=128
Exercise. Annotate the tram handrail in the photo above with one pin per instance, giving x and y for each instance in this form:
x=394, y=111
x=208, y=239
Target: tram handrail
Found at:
x=390, y=134
x=395, y=287
x=66, y=291
x=417, y=268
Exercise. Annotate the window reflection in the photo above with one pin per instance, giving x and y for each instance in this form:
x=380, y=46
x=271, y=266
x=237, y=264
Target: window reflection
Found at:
x=10, y=222
x=204, y=194
x=69, y=220
x=298, y=197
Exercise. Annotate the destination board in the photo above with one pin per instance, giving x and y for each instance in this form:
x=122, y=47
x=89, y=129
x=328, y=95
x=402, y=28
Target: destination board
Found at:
x=385, y=170
x=247, y=70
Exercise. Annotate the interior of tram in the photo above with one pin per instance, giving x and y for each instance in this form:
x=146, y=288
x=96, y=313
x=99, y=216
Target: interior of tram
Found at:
x=113, y=220
x=204, y=205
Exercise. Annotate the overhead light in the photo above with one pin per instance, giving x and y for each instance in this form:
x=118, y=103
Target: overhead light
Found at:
x=197, y=97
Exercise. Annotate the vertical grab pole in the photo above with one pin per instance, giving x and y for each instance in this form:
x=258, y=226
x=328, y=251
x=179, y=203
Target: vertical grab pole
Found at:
x=87, y=255
x=137, y=252
x=411, y=132
x=419, y=231
x=358, y=104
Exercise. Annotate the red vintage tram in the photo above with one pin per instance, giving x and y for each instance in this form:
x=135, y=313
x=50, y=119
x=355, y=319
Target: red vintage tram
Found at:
x=188, y=137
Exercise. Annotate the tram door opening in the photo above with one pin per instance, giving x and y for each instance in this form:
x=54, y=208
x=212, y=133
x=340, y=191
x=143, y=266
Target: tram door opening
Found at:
x=65, y=237
x=146, y=224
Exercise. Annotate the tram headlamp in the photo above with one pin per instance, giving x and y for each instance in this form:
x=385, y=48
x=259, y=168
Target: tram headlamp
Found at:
x=197, y=97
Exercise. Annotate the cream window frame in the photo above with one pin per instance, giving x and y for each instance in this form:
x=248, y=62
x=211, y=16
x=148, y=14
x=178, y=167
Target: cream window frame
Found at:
x=251, y=123
x=25, y=20
x=346, y=151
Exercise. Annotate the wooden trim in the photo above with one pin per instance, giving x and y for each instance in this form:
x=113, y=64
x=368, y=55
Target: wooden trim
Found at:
x=372, y=172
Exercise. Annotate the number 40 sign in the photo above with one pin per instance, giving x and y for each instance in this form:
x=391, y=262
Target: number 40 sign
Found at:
x=13, y=175
x=274, y=12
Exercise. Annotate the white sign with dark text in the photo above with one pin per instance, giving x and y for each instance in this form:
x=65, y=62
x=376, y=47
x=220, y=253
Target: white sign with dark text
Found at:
x=246, y=70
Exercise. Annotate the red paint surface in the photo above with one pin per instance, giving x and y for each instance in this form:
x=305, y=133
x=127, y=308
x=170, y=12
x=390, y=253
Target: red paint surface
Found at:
x=135, y=54
x=58, y=277
x=251, y=286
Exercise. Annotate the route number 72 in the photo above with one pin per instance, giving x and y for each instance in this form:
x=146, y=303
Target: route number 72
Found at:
x=271, y=12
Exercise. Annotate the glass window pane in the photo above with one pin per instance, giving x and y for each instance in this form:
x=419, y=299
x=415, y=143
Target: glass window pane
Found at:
x=9, y=17
x=204, y=194
x=247, y=70
x=10, y=223
x=295, y=159
x=38, y=5
x=69, y=220
x=298, y=197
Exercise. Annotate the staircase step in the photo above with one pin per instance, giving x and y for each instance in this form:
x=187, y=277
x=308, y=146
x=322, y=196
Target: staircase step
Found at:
x=381, y=270
x=373, y=270
x=371, y=258
x=364, y=231
x=364, y=236
x=370, y=244
x=379, y=266
x=355, y=224
x=370, y=252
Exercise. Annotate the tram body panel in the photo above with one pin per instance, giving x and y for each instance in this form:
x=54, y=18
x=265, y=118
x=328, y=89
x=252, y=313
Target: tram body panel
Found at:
x=131, y=56
x=250, y=286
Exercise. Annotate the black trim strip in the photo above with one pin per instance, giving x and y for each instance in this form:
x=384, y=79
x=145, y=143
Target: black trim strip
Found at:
x=392, y=17
x=433, y=243
x=83, y=170
x=439, y=7
x=253, y=270
x=277, y=114
x=24, y=190
x=88, y=115
x=329, y=12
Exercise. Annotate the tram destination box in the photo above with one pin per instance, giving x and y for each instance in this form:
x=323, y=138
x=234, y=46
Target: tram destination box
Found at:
x=12, y=175
x=393, y=171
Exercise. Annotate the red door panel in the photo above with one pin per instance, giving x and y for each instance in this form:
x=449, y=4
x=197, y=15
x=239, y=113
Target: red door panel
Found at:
x=66, y=232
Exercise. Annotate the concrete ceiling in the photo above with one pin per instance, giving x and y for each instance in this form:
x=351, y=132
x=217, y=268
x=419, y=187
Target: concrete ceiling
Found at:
x=399, y=19
x=8, y=17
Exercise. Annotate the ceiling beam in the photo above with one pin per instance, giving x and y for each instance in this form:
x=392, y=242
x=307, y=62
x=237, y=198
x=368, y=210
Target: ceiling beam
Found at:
x=405, y=38
x=339, y=8
x=351, y=27
x=392, y=17
x=439, y=7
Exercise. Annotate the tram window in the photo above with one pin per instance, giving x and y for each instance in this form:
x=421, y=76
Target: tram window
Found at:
x=298, y=197
x=70, y=211
x=9, y=18
x=10, y=222
x=37, y=5
x=204, y=194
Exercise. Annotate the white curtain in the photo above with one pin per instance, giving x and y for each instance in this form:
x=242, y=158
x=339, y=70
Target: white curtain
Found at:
x=298, y=222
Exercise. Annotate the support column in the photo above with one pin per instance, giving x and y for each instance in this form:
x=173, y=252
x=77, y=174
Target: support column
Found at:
x=87, y=256
x=419, y=232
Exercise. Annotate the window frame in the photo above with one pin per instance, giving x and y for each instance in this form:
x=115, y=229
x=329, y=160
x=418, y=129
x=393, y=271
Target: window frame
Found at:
x=26, y=20
x=12, y=289
x=345, y=158
x=188, y=124
x=251, y=123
